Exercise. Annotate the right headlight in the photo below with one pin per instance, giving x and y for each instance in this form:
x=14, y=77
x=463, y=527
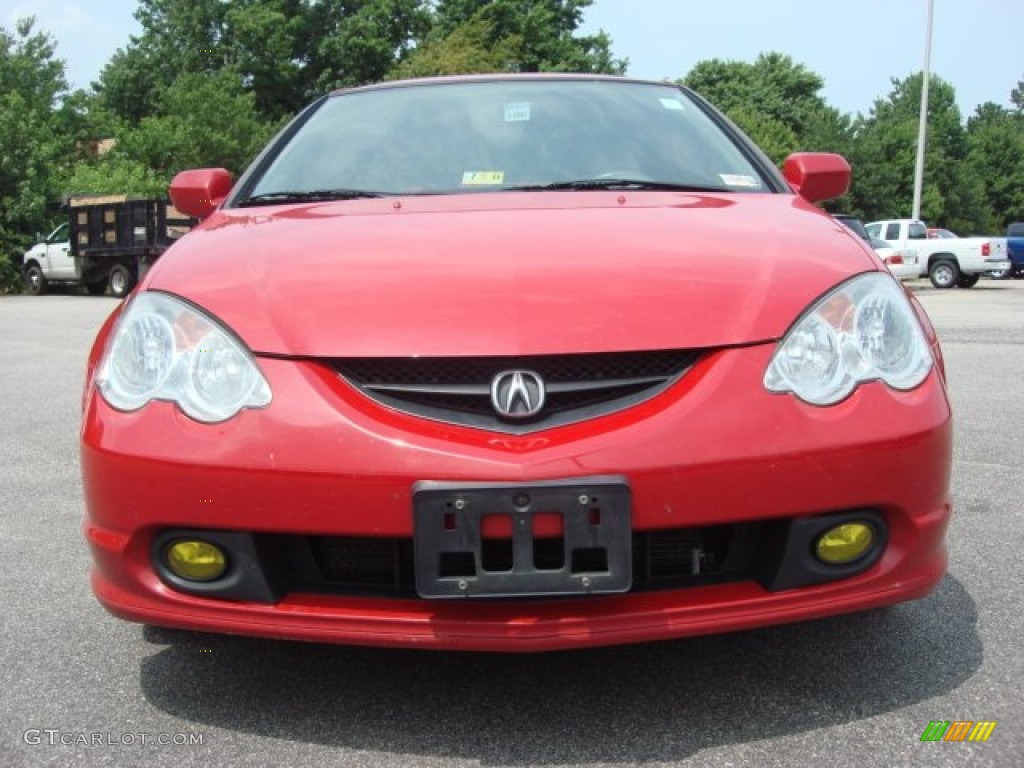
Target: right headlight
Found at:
x=864, y=330
x=163, y=348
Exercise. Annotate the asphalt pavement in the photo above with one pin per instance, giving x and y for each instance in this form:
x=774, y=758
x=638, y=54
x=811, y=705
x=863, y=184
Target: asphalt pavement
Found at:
x=80, y=688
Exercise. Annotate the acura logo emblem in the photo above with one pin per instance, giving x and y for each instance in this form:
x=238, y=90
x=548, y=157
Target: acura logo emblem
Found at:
x=517, y=394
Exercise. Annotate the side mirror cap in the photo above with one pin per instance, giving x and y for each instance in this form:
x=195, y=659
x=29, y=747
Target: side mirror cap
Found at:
x=198, y=193
x=817, y=176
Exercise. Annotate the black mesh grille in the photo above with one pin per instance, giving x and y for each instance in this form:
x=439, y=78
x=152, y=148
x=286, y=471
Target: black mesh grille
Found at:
x=363, y=562
x=458, y=390
x=662, y=559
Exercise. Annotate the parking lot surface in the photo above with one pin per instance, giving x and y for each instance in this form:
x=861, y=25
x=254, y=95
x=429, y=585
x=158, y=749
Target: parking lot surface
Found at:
x=82, y=688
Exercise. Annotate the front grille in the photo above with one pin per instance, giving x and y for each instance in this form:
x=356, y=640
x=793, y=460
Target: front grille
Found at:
x=458, y=390
x=364, y=563
x=662, y=559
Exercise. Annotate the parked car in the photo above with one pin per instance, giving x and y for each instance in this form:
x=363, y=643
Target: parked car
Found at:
x=1014, y=250
x=947, y=262
x=854, y=224
x=902, y=262
x=999, y=274
x=513, y=363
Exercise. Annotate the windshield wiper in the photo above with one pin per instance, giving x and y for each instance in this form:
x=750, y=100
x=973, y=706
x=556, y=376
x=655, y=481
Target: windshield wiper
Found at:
x=316, y=195
x=626, y=184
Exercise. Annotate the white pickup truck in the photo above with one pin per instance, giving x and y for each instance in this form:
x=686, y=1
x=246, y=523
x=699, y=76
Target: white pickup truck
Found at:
x=947, y=262
x=105, y=241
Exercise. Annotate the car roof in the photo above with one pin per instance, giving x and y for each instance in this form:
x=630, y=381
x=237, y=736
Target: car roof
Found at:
x=505, y=77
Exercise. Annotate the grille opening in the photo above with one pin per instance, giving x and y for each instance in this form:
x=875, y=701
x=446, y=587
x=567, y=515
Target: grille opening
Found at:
x=662, y=559
x=358, y=562
x=458, y=390
x=682, y=553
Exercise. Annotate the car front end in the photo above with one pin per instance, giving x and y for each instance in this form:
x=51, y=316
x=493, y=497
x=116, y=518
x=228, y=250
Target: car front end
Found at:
x=517, y=419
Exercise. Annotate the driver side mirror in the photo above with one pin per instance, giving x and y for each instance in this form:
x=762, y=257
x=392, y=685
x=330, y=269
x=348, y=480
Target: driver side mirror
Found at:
x=817, y=176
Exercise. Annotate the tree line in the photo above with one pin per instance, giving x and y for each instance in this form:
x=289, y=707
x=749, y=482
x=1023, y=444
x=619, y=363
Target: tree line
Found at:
x=207, y=83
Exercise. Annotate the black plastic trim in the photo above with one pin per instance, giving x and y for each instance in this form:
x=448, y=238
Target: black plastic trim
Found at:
x=452, y=560
x=245, y=578
x=789, y=559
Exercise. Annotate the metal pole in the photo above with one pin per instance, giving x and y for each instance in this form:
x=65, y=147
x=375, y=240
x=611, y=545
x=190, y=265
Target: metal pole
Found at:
x=922, y=129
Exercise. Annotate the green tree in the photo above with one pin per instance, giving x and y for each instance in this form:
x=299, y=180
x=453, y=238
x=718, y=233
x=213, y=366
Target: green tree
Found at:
x=467, y=49
x=776, y=101
x=202, y=120
x=774, y=137
x=360, y=41
x=541, y=32
x=284, y=52
x=1017, y=96
x=883, y=156
x=177, y=37
x=995, y=156
x=36, y=137
x=114, y=174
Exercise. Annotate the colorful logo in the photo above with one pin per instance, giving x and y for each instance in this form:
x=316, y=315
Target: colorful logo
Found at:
x=958, y=730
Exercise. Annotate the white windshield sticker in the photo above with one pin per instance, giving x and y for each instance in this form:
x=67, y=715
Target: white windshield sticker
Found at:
x=518, y=112
x=671, y=104
x=736, y=180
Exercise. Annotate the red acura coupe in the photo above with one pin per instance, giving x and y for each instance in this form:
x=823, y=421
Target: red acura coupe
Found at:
x=514, y=363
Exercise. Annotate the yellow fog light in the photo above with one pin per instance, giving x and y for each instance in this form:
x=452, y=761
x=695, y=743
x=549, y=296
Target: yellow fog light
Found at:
x=845, y=543
x=196, y=560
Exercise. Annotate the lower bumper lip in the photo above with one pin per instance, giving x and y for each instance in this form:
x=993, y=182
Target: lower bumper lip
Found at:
x=600, y=621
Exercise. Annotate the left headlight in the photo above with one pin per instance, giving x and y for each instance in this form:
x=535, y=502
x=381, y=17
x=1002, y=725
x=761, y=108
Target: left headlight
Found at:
x=165, y=349
x=864, y=330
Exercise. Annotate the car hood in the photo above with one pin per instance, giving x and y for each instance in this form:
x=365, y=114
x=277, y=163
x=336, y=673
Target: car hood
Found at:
x=511, y=273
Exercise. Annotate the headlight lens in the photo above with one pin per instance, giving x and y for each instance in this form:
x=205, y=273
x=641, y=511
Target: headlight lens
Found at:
x=165, y=349
x=864, y=330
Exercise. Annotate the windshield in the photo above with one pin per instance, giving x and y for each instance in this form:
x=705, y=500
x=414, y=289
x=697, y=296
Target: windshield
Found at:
x=487, y=136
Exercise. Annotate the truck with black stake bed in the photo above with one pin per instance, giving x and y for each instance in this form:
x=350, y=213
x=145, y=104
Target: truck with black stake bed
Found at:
x=106, y=242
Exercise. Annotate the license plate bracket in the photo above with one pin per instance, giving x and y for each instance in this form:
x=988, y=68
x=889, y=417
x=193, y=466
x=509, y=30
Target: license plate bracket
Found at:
x=557, y=537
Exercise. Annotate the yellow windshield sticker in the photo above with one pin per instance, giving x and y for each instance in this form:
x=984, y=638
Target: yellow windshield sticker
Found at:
x=482, y=178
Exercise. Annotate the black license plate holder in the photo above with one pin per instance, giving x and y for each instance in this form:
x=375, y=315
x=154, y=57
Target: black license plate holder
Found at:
x=457, y=554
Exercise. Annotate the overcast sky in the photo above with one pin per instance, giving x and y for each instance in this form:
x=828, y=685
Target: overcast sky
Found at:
x=855, y=46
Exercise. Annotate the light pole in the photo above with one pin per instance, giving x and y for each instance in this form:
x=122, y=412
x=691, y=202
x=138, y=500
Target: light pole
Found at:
x=922, y=128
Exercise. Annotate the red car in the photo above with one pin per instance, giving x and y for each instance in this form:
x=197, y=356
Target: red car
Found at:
x=514, y=363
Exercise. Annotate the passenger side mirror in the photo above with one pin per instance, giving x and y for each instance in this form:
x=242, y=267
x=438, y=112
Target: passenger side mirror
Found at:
x=200, y=192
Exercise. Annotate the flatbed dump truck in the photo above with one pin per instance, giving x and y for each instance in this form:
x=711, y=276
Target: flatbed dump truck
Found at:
x=107, y=242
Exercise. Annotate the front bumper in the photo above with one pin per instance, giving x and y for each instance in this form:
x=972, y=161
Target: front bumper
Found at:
x=321, y=460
